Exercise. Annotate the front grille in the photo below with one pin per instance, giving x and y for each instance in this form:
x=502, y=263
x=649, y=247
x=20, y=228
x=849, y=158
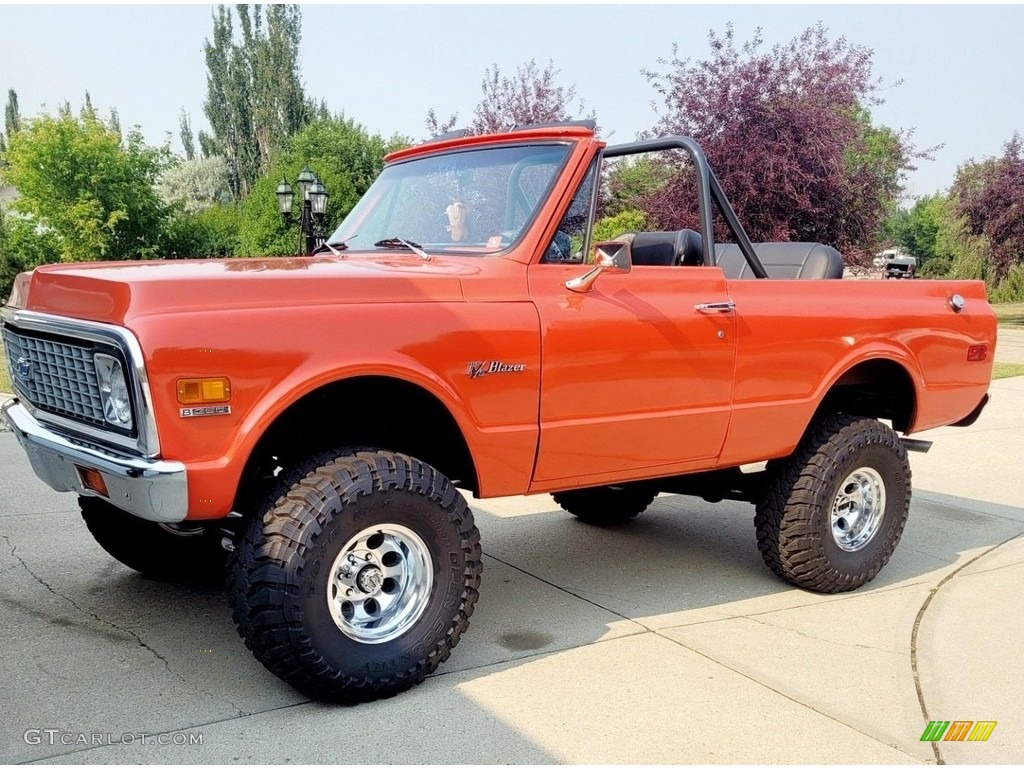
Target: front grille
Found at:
x=55, y=376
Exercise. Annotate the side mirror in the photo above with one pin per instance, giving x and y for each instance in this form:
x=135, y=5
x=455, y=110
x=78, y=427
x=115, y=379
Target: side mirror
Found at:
x=612, y=256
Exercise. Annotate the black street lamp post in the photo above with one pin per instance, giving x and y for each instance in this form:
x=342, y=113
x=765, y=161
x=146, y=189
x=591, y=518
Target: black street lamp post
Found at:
x=312, y=208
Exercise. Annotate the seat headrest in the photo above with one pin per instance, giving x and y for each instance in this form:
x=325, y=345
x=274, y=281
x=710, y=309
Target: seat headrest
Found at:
x=654, y=249
x=690, y=248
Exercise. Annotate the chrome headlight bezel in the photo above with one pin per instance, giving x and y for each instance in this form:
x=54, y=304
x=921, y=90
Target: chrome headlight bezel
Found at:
x=144, y=439
x=115, y=396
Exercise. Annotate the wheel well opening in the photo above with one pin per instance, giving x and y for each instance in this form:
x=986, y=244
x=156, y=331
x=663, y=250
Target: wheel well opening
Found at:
x=879, y=389
x=368, y=411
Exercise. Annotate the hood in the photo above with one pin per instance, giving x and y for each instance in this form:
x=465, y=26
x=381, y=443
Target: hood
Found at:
x=115, y=292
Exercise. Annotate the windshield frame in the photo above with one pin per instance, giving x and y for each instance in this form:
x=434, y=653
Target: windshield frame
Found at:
x=348, y=231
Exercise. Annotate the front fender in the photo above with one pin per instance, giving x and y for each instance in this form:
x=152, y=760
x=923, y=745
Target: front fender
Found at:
x=276, y=356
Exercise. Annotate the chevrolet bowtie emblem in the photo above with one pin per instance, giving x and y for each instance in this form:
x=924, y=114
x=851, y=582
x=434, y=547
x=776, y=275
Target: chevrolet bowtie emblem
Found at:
x=23, y=369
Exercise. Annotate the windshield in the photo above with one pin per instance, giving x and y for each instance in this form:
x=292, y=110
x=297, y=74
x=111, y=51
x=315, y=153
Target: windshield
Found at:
x=474, y=201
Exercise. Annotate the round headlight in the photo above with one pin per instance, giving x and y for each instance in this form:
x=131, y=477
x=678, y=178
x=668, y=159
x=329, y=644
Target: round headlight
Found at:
x=114, y=397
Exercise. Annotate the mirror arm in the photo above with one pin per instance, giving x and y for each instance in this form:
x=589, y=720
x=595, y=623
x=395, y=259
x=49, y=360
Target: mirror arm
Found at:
x=609, y=256
x=585, y=282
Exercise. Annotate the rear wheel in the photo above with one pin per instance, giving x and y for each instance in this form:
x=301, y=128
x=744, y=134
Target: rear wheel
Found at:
x=835, y=511
x=607, y=505
x=179, y=552
x=359, y=578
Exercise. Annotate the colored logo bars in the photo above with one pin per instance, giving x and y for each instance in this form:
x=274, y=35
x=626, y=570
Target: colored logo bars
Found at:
x=958, y=730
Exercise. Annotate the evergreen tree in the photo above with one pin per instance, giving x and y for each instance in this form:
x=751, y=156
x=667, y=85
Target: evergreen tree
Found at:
x=187, y=143
x=12, y=113
x=255, y=99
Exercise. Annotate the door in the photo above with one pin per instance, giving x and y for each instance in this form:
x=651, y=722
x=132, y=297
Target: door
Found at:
x=636, y=380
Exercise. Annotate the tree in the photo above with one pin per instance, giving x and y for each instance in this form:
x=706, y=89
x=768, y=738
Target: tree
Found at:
x=633, y=179
x=531, y=95
x=195, y=185
x=990, y=197
x=211, y=233
x=12, y=121
x=789, y=134
x=341, y=152
x=185, y=132
x=12, y=114
x=86, y=189
x=23, y=246
x=916, y=231
x=255, y=99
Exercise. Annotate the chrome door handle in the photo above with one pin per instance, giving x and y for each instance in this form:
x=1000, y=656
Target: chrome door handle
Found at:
x=717, y=306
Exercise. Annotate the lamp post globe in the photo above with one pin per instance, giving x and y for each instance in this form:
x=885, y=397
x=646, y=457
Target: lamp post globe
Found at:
x=305, y=181
x=318, y=199
x=284, y=199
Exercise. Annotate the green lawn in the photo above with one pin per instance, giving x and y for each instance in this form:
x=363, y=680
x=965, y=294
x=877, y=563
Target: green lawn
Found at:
x=5, y=381
x=1009, y=314
x=1006, y=370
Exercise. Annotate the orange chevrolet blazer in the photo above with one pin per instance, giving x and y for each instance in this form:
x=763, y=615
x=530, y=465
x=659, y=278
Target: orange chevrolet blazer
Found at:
x=307, y=423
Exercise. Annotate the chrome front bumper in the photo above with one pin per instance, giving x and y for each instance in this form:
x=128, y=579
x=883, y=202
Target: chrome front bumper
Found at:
x=148, y=488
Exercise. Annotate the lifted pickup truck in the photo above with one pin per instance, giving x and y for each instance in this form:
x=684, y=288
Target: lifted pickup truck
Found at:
x=309, y=422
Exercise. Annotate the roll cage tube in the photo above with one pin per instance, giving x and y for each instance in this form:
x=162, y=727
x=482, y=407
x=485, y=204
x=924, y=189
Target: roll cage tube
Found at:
x=708, y=190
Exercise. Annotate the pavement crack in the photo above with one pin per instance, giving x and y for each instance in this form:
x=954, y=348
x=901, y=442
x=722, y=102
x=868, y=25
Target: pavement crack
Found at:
x=95, y=617
x=785, y=695
x=819, y=639
x=914, y=666
x=577, y=595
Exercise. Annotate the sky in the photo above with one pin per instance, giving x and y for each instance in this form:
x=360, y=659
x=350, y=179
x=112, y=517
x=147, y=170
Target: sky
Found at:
x=953, y=74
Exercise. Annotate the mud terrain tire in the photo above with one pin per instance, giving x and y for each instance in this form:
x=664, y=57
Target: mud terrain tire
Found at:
x=359, y=578
x=835, y=510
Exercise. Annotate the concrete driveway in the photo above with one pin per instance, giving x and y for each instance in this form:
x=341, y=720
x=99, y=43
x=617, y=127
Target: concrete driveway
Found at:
x=1010, y=345
x=666, y=641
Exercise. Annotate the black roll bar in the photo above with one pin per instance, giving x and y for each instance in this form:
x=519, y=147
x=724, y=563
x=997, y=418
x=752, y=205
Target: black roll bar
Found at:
x=708, y=190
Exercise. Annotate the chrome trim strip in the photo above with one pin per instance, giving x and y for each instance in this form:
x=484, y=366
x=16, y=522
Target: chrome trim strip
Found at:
x=148, y=442
x=150, y=489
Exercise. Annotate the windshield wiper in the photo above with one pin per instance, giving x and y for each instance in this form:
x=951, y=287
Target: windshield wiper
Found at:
x=397, y=242
x=335, y=247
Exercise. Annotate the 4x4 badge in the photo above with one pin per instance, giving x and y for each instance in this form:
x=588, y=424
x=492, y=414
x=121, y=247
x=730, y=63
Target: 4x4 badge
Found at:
x=477, y=369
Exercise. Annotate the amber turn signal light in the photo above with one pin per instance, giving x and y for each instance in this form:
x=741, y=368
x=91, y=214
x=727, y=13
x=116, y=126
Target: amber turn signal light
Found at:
x=93, y=480
x=196, y=391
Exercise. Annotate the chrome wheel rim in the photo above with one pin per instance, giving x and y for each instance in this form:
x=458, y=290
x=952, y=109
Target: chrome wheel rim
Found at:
x=379, y=585
x=858, y=509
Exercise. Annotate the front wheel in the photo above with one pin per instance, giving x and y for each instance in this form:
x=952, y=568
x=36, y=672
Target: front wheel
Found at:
x=360, y=578
x=835, y=510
